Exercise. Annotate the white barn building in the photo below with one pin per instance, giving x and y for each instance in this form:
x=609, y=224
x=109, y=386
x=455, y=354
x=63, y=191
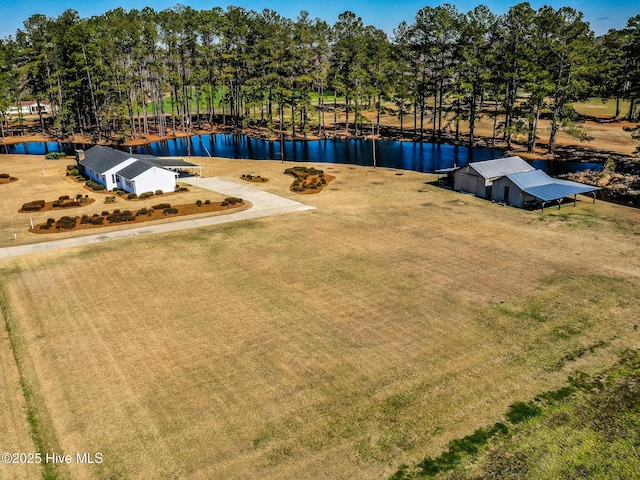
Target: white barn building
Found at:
x=478, y=177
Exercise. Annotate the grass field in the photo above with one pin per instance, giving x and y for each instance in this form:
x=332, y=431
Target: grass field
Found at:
x=336, y=343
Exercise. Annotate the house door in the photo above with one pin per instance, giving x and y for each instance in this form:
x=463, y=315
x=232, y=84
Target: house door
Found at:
x=505, y=198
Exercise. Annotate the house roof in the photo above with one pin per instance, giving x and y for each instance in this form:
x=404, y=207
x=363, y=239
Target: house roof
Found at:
x=173, y=163
x=101, y=159
x=136, y=168
x=546, y=188
x=500, y=167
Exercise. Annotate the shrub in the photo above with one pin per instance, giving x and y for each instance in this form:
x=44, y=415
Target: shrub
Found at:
x=162, y=206
x=145, y=195
x=33, y=206
x=109, y=199
x=74, y=173
x=105, y=213
x=56, y=204
x=131, y=196
x=84, y=200
x=80, y=178
x=183, y=189
x=55, y=155
x=66, y=223
x=142, y=211
x=45, y=226
x=199, y=203
x=98, y=187
x=4, y=175
x=116, y=211
x=63, y=197
x=233, y=200
x=169, y=211
x=51, y=221
x=71, y=167
x=159, y=192
x=207, y=202
x=224, y=204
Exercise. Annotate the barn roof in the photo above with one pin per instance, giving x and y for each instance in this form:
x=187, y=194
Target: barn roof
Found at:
x=501, y=167
x=546, y=188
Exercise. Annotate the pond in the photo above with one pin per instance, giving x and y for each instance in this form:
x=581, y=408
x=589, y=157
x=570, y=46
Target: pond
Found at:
x=420, y=157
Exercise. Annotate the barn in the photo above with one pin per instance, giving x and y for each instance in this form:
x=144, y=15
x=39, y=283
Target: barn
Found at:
x=521, y=189
x=478, y=177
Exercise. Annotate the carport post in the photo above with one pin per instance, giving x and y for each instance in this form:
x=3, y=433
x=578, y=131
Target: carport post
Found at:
x=594, y=197
x=575, y=199
x=543, y=206
x=559, y=203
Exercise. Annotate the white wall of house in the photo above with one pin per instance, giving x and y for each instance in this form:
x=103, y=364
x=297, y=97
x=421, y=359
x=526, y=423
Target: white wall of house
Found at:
x=109, y=178
x=151, y=180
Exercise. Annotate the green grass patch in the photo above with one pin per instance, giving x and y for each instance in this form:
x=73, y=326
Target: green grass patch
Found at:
x=587, y=429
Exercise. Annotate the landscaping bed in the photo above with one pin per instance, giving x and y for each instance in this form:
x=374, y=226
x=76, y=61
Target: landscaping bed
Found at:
x=6, y=178
x=253, y=178
x=308, y=179
x=63, y=202
x=157, y=212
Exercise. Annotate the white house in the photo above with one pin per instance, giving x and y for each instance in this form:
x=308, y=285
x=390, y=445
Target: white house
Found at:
x=131, y=173
x=29, y=107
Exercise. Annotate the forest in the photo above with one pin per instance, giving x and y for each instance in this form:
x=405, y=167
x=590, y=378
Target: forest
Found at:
x=130, y=74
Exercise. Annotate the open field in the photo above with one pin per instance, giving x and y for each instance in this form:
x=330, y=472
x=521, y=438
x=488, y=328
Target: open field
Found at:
x=334, y=343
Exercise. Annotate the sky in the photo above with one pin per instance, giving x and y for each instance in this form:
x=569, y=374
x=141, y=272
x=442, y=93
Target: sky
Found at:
x=384, y=14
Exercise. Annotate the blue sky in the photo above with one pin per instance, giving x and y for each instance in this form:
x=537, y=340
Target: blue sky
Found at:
x=384, y=14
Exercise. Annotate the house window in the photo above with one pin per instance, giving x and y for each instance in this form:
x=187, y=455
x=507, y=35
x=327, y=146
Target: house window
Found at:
x=117, y=177
x=113, y=178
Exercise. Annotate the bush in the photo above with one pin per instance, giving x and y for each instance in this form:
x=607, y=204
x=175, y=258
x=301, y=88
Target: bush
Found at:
x=169, y=211
x=33, y=206
x=45, y=226
x=74, y=173
x=224, y=204
x=145, y=195
x=80, y=178
x=63, y=197
x=233, y=200
x=159, y=192
x=105, y=213
x=162, y=206
x=51, y=221
x=207, y=202
x=131, y=196
x=4, y=175
x=71, y=167
x=66, y=223
x=109, y=199
x=199, y=203
x=183, y=189
x=55, y=155
x=56, y=204
x=84, y=200
x=142, y=211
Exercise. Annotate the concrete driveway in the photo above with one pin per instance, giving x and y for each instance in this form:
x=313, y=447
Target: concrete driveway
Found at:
x=264, y=205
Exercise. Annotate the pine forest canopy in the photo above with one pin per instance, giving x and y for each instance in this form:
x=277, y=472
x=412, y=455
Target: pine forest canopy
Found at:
x=141, y=72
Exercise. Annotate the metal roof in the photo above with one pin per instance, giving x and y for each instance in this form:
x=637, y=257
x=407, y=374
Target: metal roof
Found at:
x=173, y=163
x=136, y=168
x=501, y=167
x=546, y=188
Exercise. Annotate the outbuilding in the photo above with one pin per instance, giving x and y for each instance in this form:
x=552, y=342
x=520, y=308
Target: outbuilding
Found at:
x=478, y=177
x=521, y=189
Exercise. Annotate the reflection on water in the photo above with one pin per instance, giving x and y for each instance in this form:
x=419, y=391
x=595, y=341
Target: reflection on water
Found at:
x=420, y=157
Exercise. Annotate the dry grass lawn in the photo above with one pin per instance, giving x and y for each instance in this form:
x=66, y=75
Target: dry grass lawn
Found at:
x=335, y=343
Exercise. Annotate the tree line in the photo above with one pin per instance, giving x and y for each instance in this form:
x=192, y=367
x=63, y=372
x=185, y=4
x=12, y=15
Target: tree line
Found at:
x=141, y=72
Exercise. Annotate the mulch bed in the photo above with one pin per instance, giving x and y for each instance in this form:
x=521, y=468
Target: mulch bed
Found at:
x=151, y=215
x=67, y=205
x=9, y=179
x=254, y=178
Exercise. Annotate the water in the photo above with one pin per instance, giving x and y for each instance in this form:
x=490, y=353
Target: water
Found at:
x=420, y=157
